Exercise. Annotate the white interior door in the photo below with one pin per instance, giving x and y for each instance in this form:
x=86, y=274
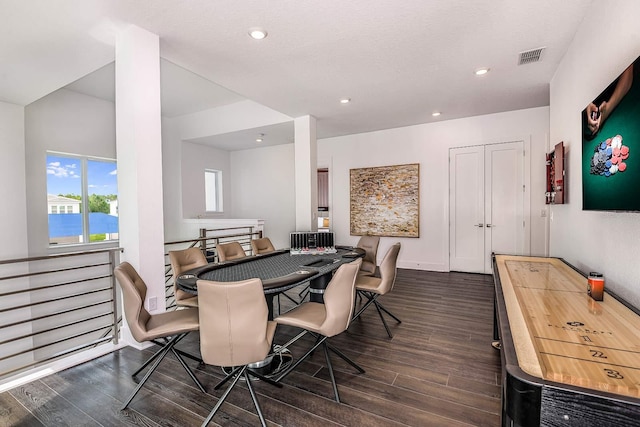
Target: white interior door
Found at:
x=504, y=200
x=466, y=209
x=486, y=205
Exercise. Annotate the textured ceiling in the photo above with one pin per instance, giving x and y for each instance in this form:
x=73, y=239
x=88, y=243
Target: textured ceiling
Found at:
x=397, y=60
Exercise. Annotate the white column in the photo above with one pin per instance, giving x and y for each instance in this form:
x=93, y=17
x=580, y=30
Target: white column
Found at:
x=306, y=173
x=139, y=154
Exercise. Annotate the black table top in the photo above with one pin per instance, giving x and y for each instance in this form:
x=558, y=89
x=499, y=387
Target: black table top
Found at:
x=279, y=270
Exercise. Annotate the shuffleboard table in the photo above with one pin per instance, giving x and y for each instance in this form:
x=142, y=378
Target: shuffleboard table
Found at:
x=567, y=360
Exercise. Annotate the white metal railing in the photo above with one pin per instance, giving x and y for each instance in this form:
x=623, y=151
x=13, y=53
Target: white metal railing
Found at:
x=59, y=305
x=54, y=306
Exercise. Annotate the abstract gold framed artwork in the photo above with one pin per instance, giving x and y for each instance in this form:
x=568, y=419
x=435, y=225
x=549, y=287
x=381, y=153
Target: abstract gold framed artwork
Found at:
x=385, y=201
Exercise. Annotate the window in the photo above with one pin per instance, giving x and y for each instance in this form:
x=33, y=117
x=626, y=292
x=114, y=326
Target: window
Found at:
x=84, y=189
x=213, y=190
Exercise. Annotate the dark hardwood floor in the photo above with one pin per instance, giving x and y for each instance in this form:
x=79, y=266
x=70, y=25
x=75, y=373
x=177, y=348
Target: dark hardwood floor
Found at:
x=438, y=370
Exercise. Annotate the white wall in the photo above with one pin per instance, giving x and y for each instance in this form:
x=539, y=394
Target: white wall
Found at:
x=67, y=122
x=428, y=145
x=195, y=158
x=184, y=164
x=263, y=185
x=590, y=64
x=13, y=229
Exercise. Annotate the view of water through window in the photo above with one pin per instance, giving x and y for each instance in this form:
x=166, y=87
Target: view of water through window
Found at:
x=82, y=199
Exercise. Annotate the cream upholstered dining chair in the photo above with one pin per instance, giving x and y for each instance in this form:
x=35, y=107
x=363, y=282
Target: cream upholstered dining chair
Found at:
x=172, y=326
x=235, y=331
x=182, y=261
x=262, y=246
x=229, y=251
x=374, y=287
x=328, y=319
x=370, y=246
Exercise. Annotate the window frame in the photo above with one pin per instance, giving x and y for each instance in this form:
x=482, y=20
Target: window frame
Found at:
x=84, y=201
x=217, y=189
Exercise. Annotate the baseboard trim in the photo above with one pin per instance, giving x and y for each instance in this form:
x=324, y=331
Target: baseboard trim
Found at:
x=57, y=366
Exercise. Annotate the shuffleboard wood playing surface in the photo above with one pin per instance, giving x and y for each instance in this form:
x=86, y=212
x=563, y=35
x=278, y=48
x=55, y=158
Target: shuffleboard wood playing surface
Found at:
x=560, y=338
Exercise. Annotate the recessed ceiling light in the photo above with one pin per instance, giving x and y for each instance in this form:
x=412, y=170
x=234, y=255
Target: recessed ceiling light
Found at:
x=436, y=113
x=260, y=138
x=257, y=33
x=345, y=100
x=482, y=71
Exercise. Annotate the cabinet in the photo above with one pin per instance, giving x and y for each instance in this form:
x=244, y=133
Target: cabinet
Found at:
x=555, y=175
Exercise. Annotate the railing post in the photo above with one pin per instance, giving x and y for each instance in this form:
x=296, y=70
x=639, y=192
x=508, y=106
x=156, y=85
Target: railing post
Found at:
x=114, y=296
x=203, y=241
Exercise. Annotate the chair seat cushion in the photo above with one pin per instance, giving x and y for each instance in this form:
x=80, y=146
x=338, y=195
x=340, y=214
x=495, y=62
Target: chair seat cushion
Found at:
x=171, y=323
x=368, y=283
x=309, y=316
x=188, y=302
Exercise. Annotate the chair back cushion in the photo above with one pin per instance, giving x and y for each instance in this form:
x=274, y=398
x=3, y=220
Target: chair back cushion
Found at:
x=262, y=246
x=370, y=246
x=182, y=261
x=229, y=251
x=233, y=322
x=339, y=299
x=134, y=291
x=388, y=269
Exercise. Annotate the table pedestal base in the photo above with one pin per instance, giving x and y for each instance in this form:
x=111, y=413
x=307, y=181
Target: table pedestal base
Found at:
x=271, y=367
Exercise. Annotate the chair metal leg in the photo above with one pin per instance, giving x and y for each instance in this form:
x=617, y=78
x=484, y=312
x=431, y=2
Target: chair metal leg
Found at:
x=189, y=356
x=290, y=299
x=158, y=358
x=254, y=398
x=384, y=322
x=176, y=350
x=330, y=369
x=303, y=293
x=224, y=396
x=263, y=378
x=189, y=371
x=299, y=361
x=370, y=298
x=306, y=288
x=151, y=359
x=236, y=374
x=373, y=299
x=346, y=359
x=382, y=307
x=279, y=312
x=227, y=378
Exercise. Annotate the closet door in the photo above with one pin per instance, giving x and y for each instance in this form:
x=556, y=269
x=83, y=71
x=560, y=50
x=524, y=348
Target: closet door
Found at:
x=486, y=205
x=504, y=200
x=466, y=209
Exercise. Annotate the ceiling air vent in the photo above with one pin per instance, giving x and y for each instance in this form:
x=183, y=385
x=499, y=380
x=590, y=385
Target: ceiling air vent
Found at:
x=529, y=56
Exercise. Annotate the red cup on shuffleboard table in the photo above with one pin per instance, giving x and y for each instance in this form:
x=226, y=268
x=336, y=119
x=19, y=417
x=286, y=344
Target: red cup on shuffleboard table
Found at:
x=595, y=285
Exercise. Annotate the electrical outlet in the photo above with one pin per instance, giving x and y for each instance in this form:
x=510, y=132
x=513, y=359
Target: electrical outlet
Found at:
x=543, y=213
x=153, y=303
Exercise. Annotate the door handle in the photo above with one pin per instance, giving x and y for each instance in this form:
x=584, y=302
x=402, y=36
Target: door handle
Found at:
x=479, y=225
x=489, y=225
